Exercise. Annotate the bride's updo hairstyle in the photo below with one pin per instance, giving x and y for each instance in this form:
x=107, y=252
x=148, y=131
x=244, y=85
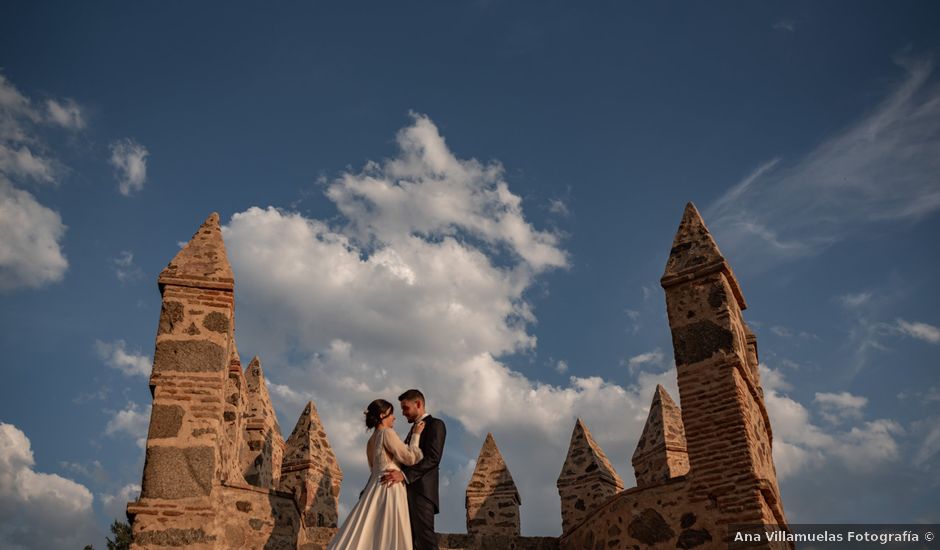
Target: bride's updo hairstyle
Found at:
x=375, y=411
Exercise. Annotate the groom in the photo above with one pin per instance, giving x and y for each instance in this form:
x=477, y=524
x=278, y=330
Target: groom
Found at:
x=421, y=480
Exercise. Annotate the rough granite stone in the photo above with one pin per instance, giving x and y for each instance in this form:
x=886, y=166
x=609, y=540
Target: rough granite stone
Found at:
x=173, y=537
x=188, y=356
x=216, y=322
x=171, y=314
x=165, y=421
x=173, y=472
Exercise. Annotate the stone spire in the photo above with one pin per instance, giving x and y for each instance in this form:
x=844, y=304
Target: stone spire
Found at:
x=203, y=262
x=492, y=499
x=695, y=253
x=263, y=451
x=661, y=452
x=310, y=471
x=587, y=478
x=727, y=429
x=185, y=461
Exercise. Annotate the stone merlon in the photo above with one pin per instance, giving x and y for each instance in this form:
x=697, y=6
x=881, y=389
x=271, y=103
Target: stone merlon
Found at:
x=661, y=452
x=491, y=474
x=587, y=478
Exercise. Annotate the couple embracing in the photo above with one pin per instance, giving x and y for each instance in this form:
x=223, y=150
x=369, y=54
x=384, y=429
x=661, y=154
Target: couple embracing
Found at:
x=396, y=509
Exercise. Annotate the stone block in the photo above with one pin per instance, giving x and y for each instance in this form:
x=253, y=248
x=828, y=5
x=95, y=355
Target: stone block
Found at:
x=216, y=322
x=188, y=356
x=165, y=421
x=173, y=472
x=171, y=314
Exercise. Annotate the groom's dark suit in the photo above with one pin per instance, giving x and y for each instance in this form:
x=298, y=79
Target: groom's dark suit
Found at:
x=422, y=484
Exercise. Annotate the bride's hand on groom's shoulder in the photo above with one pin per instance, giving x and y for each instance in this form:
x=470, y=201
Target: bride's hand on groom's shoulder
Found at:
x=419, y=427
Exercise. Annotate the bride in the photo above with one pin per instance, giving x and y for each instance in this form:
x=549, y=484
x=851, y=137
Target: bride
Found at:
x=379, y=521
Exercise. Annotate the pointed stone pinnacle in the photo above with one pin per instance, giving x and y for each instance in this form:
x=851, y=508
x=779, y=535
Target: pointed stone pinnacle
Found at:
x=254, y=376
x=693, y=245
x=694, y=252
x=491, y=474
x=308, y=447
x=234, y=360
x=260, y=408
x=202, y=263
x=586, y=459
x=664, y=429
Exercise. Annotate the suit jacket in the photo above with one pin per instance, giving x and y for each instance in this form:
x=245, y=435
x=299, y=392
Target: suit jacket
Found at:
x=423, y=476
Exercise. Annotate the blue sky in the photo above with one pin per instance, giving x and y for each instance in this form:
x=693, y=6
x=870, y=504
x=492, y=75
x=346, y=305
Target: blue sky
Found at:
x=478, y=200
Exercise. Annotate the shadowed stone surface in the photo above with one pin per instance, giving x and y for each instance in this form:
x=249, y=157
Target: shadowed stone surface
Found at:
x=311, y=472
x=171, y=314
x=262, y=450
x=178, y=473
x=188, y=356
x=699, y=341
x=216, y=322
x=173, y=537
x=165, y=421
x=587, y=478
x=650, y=528
x=691, y=538
x=492, y=500
x=661, y=451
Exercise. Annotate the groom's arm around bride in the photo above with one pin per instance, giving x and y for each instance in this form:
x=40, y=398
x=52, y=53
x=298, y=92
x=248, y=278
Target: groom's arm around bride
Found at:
x=425, y=472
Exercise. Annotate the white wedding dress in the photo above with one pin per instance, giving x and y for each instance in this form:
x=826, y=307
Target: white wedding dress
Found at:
x=380, y=521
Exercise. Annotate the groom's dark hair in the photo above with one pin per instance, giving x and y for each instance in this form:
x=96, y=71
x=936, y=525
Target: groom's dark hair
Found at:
x=412, y=395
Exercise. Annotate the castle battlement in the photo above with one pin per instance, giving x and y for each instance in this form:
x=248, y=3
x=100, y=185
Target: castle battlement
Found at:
x=218, y=473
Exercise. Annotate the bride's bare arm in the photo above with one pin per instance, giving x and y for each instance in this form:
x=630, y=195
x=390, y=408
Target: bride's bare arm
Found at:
x=404, y=454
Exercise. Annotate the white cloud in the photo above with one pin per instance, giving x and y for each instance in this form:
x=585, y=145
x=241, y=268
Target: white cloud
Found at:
x=558, y=206
x=855, y=300
x=93, y=470
x=21, y=162
x=124, y=267
x=634, y=316
x=422, y=284
x=864, y=448
x=788, y=25
x=561, y=366
x=800, y=445
x=426, y=190
x=929, y=436
x=133, y=421
x=838, y=406
x=39, y=510
x=654, y=357
x=31, y=249
x=115, y=355
x=129, y=160
x=66, y=113
x=114, y=504
x=22, y=152
x=881, y=168
x=921, y=331
x=16, y=114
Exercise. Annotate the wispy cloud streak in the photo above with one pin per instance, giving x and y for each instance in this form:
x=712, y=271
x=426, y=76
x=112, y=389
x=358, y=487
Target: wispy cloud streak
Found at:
x=882, y=168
